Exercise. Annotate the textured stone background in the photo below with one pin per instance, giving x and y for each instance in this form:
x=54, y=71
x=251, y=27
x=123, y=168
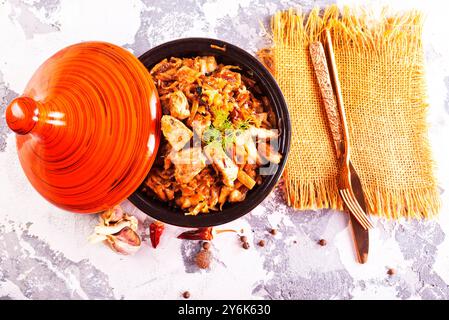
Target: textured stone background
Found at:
x=43, y=250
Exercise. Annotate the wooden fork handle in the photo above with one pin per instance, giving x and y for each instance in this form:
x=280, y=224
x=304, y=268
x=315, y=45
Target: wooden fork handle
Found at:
x=330, y=104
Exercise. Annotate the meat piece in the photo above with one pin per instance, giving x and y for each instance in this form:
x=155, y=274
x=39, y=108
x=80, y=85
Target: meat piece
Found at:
x=200, y=124
x=178, y=105
x=175, y=132
x=222, y=163
x=263, y=133
x=236, y=196
x=186, y=74
x=185, y=202
x=188, y=163
x=267, y=151
x=251, y=151
x=245, y=141
x=208, y=64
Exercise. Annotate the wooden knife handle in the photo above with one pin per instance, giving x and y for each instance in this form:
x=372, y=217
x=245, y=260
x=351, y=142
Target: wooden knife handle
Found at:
x=330, y=104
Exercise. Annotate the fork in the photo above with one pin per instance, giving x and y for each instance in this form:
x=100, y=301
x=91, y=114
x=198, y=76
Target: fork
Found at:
x=344, y=185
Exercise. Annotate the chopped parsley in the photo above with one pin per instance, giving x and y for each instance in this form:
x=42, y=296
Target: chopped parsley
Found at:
x=243, y=124
x=224, y=132
x=211, y=134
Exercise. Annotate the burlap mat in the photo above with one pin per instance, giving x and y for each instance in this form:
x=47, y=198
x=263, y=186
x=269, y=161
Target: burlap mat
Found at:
x=380, y=64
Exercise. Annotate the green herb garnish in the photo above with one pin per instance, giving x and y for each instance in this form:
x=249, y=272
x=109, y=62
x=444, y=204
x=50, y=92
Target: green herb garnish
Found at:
x=221, y=119
x=229, y=138
x=211, y=134
x=243, y=124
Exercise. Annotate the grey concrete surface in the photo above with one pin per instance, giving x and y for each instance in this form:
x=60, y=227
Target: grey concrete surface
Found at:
x=44, y=253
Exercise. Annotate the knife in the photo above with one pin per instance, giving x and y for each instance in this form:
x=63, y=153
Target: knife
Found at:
x=319, y=61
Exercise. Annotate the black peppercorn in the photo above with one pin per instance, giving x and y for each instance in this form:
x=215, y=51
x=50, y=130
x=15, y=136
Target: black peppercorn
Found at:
x=322, y=242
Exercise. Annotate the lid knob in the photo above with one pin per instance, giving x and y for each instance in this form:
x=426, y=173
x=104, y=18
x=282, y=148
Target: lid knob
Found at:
x=21, y=115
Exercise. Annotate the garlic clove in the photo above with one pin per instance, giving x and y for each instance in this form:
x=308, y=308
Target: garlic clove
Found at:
x=129, y=236
x=125, y=242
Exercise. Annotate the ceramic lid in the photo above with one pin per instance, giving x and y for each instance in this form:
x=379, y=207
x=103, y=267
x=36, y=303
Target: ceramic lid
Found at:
x=87, y=126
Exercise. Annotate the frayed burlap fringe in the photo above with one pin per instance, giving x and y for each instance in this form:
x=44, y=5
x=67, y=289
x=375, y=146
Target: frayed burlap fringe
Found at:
x=397, y=183
x=354, y=29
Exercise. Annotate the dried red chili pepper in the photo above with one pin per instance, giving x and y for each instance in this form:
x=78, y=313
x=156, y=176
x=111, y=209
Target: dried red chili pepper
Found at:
x=156, y=229
x=202, y=234
x=198, y=234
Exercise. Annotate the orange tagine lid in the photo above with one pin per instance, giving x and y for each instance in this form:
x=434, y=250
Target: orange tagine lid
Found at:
x=87, y=126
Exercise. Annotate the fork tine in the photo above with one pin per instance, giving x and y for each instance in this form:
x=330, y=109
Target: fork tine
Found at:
x=359, y=211
x=355, y=208
x=359, y=216
x=351, y=207
x=359, y=208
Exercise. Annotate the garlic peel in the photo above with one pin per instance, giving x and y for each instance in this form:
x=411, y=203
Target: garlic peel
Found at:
x=106, y=230
x=118, y=230
x=95, y=238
